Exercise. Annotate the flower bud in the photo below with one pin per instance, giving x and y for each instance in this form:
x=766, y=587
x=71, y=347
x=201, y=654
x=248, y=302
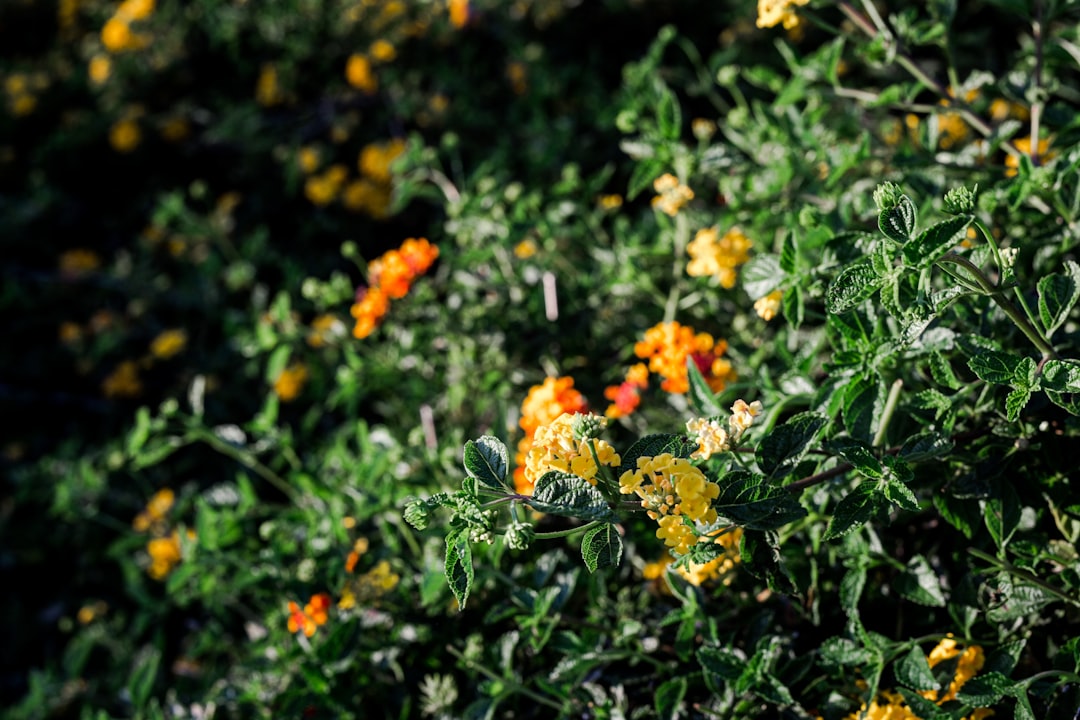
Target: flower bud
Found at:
x=417, y=513
x=959, y=201
x=587, y=425
x=520, y=535
x=887, y=195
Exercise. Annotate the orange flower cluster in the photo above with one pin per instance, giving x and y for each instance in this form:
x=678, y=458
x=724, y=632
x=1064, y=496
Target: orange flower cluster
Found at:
x=163, y=548
x=391, y=276
x=666, y=347
x=311, y=617
x=626, y=396
x=543, y=405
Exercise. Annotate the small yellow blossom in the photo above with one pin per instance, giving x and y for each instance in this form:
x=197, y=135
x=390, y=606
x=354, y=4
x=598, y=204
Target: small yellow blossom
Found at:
x=711, y=436
x=291, y=381
x=70, y=332
x=376, y=159
x=165, y=554
x=719, y=258
x=702, y=128
x=766, y=307
x=1012, y=162
x=773, y=12
x=459, y=12
x=156, y=510
x=525, y=249
x=671, y=194
x=367, y=196
x=325, y=329
x=359, y=74
x=307, y=158
x=123, y=381
x=77, y=262
x=168, y=344
x=742, y=416
x=88, y=613
x=611, y=202
x=267, y=88
x=125, y=135
x=135, y=9
x=672, y=491
x=555, y=449
x=99, y=69
x=517, y=74
x=382, y=51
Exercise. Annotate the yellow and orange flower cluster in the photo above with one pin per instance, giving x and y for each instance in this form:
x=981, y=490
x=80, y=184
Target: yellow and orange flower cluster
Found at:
x=117, y=34
x=672, y=491
x=714, y=256
x=771, y=13
x=720, y=568
x=666, y=347
x=291, y=381
x=889, y=705
x=671, y=195
x=163, y=547
x=22, y=91
x=541, y=406
x=391, y=276
x=626, y=396
x=370, y=193
x=1012, y=162
x=314, y=614
x=555, y=447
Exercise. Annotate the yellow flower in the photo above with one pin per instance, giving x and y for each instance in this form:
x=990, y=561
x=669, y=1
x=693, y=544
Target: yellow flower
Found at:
x=156, y=510
x=308, y=159
x=710, y=256
x=325, y=329
x=711, y=436
x=135, y=9
x=671, y=194
x=368, y=197
x=123, y=381
x=554, y=448
x=517, y=74
x=74, y=263
x=611, y=202
x=125, y=135
x=165, y=554
x=23, y=105
x=267, y=89
x=99, y=69
x=742, y=416
x=767, y=307
x=358, y=73
x=1012, y=162
x=382, y=51
x=702, y=128
x=774, y=12
x=459, y=12
x=376, y=158
x=116, y=36
x=291, y=381
x=70, y=333
x=168, y=344
x=672, y=490
x=525, y=249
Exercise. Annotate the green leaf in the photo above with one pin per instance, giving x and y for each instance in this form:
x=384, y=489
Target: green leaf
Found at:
x=1062, y=376
x=1020, y=601
x=900, y=495
x=669, y=696
x=924, y=446
x=913, y=670
x=851, y=589
x=652, y=445
x=668, y=113
x=864, y=400
x=559, y=493
x=144, y=674
x=1058, y=294
x=898, y=222
x=1015, y=401
x=986, y=689
x=920, y=584
x=781, y=450
x=856, y=509
x=139, y=434
x=602, y=547
x=1002, y=513
x=486, y=461
x=995, y=366
x=789, y=252
x=859, y=455
x=961, y=513
x=854, y=284
x=459, y=567
x=750, y=502
x=761, y=275
x=701, y=396
x=760, y=554
x=793, y=307
x=935, y=241
x=843, y=652
x=726, y=662
x=645, y=172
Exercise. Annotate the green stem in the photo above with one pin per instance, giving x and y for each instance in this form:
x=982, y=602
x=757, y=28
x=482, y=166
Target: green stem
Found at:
x=554, y=535
x=682, y=237
x=610, y=486
x=1066, y=676
x=887, y=413
x=510, y=682
x=1023, y=574
x=246, y=459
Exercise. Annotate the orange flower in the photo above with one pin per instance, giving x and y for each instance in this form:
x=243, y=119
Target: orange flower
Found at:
x=667, y=346
x=626, y=396
x=311, y=617
x=369, y=309
x=542, y=405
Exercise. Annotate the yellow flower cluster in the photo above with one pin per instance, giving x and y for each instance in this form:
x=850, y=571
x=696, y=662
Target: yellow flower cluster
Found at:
x=771, y=13
x=672, y=491
x=22, y=90
x=711, y=256
x=672, y=195
x=123, y=381
x=766, y=307
x=1012, y=162
x=163, y=548
x=325, y=330
x=291, y=381
x=541, y=406
x=168, y=344
x=370, y=193
x=666, y=347
x=117, y=35
x=890, y=705
x=370, y=586
x=713, y=438
x=268, y=92
x=719, y=568
x=555, y=448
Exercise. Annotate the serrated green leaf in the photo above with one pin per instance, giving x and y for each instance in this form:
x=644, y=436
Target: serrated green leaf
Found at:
x=921, y=707
x=1058, y=294
x=789, y=252
x=559, y=493
x=1020, y=601
x=854, y=284
x=1062, y=376
x=935, y=241
x=856, y=509
x=138, y=435
x=793, y=306
x=486, y=460
x=750, y=502
x=701, y=396
x=851, y=589
x=781, y=450
x=652, y=445
x=1015, y=401
x=761, y=275
x=144, y=674
x=844, y=652
x=898, y=222
x=602, y=547
x=924, y=446
x=669, y=696
x=458, y=566
x=913, y=670
x=859, y=455
x=645, y=172
x=920, y=584
x=728, y=663
x=759, y=552
x=986, y=689
x=1023, y=711
x=1002, y=513
x=995, y=366
x=900, y=495
x=864, y=401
